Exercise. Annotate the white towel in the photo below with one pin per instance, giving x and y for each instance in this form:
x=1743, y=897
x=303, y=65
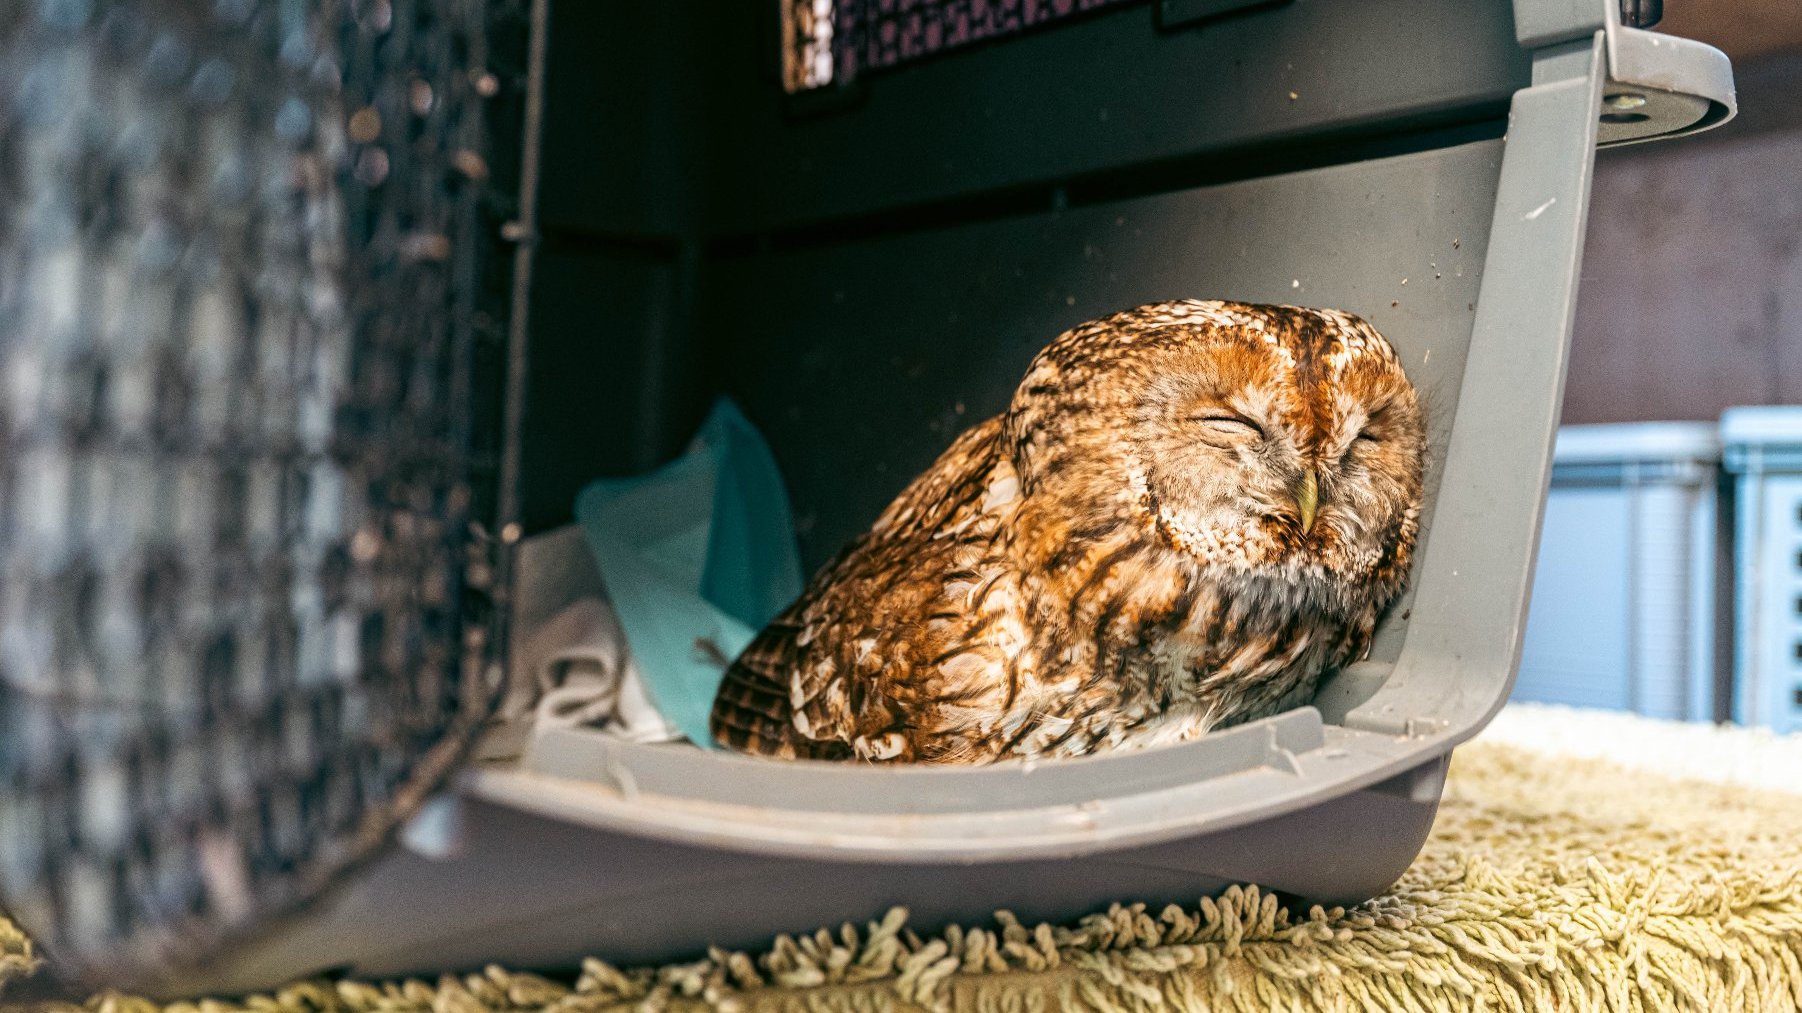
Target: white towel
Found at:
x=568, y=659
x=568, y=664
x=569, y=648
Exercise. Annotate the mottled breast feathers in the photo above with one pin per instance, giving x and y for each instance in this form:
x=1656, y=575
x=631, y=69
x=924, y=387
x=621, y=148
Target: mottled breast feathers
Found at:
x=1187, y=514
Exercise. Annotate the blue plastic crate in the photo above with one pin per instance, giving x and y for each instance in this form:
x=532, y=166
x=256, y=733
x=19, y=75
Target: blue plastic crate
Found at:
x=1624, y=591
x=1763, y=453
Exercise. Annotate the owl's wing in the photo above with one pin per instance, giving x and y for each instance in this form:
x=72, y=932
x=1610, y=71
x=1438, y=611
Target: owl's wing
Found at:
x=753, y=712
x=843, y=670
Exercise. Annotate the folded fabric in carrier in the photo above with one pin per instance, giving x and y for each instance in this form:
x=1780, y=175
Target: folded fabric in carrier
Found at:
x=627, y=621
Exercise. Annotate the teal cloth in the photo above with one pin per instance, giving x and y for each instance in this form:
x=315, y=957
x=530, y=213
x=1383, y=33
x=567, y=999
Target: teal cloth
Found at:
x=696, y=556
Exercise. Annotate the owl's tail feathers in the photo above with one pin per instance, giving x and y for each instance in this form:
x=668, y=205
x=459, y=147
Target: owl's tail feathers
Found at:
x=751, y=713
x=750, y=716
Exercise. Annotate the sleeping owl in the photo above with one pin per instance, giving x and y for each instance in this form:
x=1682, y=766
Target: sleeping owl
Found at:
x=1188, y=512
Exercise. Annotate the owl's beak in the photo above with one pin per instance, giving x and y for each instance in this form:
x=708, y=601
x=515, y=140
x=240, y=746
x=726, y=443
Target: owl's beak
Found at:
x=1307, y=498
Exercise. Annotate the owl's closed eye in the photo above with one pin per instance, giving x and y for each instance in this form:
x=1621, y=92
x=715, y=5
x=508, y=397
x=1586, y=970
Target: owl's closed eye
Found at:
x=1188, y=513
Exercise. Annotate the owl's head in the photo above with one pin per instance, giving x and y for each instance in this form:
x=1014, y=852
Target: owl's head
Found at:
x=1269, y=441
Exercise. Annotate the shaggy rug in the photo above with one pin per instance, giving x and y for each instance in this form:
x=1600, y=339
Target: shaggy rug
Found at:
x=1580, y=862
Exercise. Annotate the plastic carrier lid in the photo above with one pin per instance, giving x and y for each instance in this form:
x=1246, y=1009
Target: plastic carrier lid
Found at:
x=1763, y=438
x=1640, y=442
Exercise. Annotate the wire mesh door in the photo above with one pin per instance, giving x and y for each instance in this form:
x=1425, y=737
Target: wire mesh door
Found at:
x=249, y=305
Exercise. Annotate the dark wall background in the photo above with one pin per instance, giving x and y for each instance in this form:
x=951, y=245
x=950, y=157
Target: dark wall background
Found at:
x=1691, y=298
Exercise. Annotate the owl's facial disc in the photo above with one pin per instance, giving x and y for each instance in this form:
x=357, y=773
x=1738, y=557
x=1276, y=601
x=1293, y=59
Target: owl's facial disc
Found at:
x=1262, y=478
x=1226, y=478
x=1276, y=442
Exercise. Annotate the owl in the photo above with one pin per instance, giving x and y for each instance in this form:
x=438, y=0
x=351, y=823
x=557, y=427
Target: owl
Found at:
x=1188, y=512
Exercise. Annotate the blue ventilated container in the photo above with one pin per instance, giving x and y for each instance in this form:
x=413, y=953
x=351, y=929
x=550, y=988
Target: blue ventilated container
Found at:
x=1626, y=591
x=1763, y=454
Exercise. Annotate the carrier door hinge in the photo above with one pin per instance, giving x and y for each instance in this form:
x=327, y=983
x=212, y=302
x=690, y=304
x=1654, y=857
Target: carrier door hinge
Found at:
x=1661, y=86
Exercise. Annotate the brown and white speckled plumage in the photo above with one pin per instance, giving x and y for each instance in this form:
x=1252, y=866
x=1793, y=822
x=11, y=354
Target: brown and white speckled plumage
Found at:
x=1120, y=559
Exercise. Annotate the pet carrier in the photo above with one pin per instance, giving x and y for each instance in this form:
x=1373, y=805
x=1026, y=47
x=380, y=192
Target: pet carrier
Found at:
x=862, y=243
x=1626, y=593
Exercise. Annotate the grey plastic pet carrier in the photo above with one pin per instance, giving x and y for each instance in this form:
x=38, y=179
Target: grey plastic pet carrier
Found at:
x=269, y=457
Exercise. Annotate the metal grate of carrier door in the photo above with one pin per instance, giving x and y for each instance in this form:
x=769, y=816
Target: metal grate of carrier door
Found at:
x=250, y=305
